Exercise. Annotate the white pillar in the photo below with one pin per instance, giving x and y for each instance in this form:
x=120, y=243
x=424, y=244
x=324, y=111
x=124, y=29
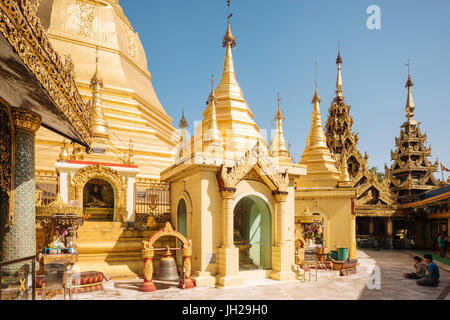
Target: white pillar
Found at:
x=64, y=186
x=131, y=199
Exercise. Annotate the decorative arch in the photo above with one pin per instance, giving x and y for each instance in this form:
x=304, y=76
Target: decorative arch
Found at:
x=256, y=161
x=118, y=182
x=258, y=194
x=148, y=253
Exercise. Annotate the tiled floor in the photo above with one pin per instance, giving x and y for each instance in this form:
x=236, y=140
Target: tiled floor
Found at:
x=329, y=285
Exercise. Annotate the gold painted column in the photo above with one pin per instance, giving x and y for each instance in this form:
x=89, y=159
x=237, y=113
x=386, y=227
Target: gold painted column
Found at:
x=19, y=240
x=283, y=253
x=389, y=233
x=352, y=252
x=371, y=227
x=228, y=254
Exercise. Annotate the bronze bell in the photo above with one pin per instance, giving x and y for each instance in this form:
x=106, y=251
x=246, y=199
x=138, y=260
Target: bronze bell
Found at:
x=168, y=268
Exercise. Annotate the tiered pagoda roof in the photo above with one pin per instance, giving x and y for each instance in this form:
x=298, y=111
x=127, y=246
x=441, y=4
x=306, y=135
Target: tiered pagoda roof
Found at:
x=411, y=172
x=343, y=142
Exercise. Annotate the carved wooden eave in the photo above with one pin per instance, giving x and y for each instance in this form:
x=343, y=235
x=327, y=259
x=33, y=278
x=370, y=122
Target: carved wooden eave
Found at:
x=254, y=165
x=36, y=77
x=372, y=196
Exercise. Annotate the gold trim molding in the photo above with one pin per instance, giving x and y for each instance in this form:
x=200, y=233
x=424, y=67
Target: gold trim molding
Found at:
x=25, y=120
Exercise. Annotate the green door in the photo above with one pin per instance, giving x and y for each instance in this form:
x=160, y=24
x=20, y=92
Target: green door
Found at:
x=181, y=225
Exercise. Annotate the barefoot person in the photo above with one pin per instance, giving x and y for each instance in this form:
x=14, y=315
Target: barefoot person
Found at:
x=419, y=266
x=432, y=276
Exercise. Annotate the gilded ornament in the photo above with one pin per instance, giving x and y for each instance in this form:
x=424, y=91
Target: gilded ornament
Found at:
x=7, y=137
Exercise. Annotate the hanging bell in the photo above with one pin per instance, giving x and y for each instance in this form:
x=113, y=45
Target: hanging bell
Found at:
x=168, y=268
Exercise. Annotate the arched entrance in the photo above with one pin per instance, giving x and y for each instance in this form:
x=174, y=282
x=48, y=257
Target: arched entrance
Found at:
x=118, y=183
x=181, y=225
x=253, y=234
x=98, y=200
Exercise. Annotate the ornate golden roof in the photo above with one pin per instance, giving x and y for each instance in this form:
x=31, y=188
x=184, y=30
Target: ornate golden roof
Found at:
x=343, y=143
x=411, y=171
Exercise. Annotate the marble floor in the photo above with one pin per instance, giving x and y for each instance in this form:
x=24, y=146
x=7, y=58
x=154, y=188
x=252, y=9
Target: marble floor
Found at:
x=391, y=285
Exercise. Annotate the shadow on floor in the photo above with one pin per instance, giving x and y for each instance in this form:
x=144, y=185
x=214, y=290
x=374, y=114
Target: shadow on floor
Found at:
x=389, y=267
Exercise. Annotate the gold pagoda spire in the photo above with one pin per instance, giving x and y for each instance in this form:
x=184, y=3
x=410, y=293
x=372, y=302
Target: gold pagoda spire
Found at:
x=410, y=107
x=339, y=75
x=316, y=136
x=99, y=125
x=182, y=147
x=228, y=86
x=212, y=134
x=278, y=145
x=344, y=177
x=322, y=168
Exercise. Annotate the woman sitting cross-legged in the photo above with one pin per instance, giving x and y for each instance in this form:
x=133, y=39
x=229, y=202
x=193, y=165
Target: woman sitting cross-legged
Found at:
x=420, y=269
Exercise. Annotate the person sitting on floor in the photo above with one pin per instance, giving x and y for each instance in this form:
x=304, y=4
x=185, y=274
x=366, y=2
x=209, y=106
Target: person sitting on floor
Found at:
x=432, y=276
x=420, y=270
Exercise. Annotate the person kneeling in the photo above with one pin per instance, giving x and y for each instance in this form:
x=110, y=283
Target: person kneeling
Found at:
x=420, y=270
x=432, y=275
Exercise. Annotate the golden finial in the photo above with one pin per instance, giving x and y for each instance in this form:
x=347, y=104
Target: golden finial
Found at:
x=279, y=114
x=409, y=83
x=228, y=39
x=213, y=134
x=316, y=97
x=96, y=77
x=212, y=94
x=339, y=75
x=410, y=107
x=64, y=155
x=339, y=58
x=183, y=122
x=130, y=153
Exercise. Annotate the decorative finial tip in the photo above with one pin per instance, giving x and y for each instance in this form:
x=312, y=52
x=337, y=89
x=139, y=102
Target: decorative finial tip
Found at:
x=228, y=39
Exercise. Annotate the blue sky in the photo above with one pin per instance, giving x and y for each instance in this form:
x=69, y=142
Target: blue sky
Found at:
x=278, y=43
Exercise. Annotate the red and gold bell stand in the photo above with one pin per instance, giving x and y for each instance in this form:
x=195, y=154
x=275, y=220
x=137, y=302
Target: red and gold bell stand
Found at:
x=149, y=252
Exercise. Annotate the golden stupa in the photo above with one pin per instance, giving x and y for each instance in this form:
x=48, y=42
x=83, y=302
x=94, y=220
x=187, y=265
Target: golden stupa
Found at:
x=127, y=106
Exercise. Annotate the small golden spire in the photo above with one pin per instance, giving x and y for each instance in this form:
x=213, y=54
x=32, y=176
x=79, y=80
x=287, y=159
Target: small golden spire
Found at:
x=322, y=168
x=316, y=136
x=279, y=114
x=64, y=155
x=344, y=176
x=99, y=125
x=213, y=133
x=130, y=160
x=316, y=99
x=410, y=107
x=278, y=144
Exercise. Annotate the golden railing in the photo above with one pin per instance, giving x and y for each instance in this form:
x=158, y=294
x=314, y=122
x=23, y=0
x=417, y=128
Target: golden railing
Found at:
x=152, y=198
x=46, y=188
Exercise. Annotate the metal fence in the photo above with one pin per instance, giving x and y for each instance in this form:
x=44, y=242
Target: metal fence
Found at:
x=152, y=199
x=46, y=188
x=17, y=286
